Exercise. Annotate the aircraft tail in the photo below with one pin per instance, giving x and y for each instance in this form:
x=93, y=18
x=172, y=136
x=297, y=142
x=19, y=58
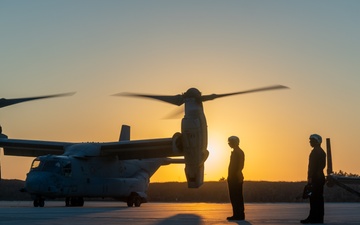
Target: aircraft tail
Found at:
x=125, y=133
x=329, y=157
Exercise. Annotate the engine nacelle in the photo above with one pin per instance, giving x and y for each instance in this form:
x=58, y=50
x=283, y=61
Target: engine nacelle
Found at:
x=194, y=143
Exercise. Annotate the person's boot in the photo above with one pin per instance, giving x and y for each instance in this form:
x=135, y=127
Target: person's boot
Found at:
x=309, y=220
x=305, y=221
x=318, y=220
x=237, y=217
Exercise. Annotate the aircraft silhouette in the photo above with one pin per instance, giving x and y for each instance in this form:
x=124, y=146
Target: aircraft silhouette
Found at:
x=339, y=180
x=120, y=169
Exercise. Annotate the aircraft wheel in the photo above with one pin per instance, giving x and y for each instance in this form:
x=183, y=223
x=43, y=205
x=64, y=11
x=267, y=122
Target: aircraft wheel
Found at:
x=81, y=201
x=137, y=201
x=134, y=200
x=67, y=201
x=41, y=202
x=76, y=201
x=130, y=203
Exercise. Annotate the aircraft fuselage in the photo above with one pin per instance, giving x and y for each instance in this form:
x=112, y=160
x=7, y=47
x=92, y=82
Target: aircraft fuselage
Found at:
x=58, y=176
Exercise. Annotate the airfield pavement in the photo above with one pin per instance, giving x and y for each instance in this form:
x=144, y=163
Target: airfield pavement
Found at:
x=109, y=213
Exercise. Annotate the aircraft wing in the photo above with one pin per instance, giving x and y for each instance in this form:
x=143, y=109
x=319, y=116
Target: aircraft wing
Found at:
x=345, y=179
x=137, y=149
x=32, y=148
x=141, y=149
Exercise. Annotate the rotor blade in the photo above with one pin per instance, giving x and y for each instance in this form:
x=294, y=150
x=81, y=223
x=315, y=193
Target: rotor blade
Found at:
x=175, y=114
x=6, y=102
x=175, y=100
x=214, y=96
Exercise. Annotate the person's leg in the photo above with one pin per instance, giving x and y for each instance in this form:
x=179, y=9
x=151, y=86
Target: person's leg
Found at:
x=237, y=201
x=232, y=195
x=317, y=206
x=316, y=214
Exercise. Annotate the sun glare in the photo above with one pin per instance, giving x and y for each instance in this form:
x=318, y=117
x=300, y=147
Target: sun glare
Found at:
x=216, y=164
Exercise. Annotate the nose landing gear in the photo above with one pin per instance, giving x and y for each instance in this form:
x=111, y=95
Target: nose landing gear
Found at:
x=135, y=200
x=39, y=202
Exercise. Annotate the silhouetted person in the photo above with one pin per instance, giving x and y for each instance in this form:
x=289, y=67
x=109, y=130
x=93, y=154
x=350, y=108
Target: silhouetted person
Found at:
x=235, y=179
x=1, y=134
x=316, y=180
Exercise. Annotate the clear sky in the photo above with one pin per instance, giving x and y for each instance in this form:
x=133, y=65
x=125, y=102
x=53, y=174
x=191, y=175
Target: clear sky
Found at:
x=99, y=48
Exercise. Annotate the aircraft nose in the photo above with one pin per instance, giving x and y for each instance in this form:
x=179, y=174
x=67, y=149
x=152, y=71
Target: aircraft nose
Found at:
x=39, y=184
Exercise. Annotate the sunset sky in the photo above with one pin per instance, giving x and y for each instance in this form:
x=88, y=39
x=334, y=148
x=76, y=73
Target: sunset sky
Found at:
x=99, y=48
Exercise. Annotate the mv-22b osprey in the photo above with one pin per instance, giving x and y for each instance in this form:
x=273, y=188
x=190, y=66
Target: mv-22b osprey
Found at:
x=120, y=169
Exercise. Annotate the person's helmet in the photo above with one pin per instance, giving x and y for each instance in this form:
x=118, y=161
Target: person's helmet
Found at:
x=317, y=137
x=234, y=139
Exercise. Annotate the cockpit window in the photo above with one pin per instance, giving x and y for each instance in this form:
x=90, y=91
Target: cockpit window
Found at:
x=62, y=167
x=35, y=165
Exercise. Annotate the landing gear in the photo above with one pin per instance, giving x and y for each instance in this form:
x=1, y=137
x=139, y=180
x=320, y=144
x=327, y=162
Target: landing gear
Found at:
x=134, y=200
x=39, y=202
x=74, y=201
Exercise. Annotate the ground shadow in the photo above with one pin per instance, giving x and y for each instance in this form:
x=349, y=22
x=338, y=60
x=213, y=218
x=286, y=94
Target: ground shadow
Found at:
x=192, y=219
x=188, y=219
x=241, y=222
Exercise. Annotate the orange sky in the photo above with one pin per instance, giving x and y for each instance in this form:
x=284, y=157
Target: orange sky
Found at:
x=99, y=49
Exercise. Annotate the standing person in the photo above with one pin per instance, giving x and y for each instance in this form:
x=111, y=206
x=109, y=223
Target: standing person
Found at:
x=235, y=179
x=316, y=181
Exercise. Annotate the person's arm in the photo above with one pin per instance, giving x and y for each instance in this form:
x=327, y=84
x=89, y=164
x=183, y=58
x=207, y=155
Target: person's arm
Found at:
x=241, y=161
x=311, y=168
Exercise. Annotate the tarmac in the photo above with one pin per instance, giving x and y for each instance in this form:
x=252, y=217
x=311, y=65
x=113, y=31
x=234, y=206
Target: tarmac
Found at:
x=109, y=213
